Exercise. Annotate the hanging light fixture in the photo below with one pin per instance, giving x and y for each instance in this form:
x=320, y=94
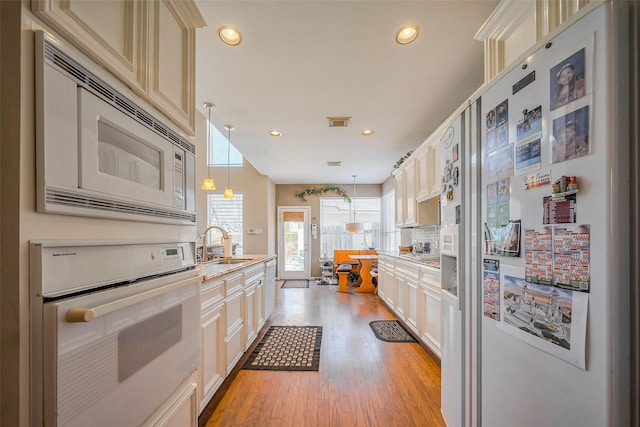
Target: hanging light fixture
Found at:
x=354, y=227
x=208, y=184
x=228, y=192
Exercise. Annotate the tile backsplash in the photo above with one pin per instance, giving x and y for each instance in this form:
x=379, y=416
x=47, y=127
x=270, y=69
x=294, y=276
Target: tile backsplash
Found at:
x=427, y=236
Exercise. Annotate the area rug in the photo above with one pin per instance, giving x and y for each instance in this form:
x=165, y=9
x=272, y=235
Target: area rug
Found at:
x=295, y=284
x=391, y=331
x=287, y=348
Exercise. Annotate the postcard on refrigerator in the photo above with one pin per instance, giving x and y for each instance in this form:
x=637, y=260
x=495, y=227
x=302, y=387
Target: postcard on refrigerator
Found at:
x=571, y=134
x=528, y=155
x=530, y=125
x=548, y=318
x=491, y=288
x=491, y=294
x=571, y=257
x=538, y=256
x=536, y=180
x=559, y=211
x=567, y=79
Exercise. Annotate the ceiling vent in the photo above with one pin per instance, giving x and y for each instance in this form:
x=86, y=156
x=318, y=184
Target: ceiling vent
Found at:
x=338, y=122
x=334, y=163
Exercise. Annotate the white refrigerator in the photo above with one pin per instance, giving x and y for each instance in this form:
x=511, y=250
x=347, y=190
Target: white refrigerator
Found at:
x=539, y=332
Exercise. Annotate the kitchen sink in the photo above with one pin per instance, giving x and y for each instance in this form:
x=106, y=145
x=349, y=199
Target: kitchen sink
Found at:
x=230, y=260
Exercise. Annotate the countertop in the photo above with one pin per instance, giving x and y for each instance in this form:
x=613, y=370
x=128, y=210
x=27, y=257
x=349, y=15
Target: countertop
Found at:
x=210, y=270
x=426, y=260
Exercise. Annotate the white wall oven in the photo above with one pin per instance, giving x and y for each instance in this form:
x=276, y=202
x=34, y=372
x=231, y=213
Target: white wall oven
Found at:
x=99, y=153
x=115, y=331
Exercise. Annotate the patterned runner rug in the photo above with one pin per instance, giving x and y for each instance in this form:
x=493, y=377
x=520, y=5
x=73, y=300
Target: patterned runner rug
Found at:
x=391, y=331
x=287, y=348
x=295, y=284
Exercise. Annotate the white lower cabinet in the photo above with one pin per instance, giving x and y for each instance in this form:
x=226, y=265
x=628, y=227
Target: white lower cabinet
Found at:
x=385, y=277
x=412, y=291
x=234, y=307
x=407, y=286
x=234, y=332
x=212, y=357
x=430, y=322
x=252, y=307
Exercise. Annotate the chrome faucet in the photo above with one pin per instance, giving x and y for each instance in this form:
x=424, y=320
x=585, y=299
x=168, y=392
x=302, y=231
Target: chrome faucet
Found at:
x=225, y=240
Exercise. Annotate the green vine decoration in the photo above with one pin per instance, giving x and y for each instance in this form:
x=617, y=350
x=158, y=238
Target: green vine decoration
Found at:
x=400, y=161
x=312, y=191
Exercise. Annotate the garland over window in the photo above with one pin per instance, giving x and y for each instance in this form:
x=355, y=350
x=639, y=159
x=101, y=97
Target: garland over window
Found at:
x=322, y=191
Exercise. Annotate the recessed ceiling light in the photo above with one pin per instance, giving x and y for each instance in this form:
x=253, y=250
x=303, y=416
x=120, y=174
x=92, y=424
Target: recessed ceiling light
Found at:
x=275, y=133
x=229, y=35
x=367, y=132
x=407, y=34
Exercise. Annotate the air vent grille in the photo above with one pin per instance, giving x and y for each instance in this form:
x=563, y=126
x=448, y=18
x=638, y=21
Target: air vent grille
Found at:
x=100, y=88
x=338, y=122
x=102, y=206
x=338, y=163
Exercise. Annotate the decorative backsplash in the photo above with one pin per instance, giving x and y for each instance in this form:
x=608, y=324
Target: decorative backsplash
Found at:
x=426, y=238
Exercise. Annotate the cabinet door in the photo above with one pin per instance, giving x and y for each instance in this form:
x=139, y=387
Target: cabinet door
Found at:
x=431, y=333
x=385, y=278
x=399, y=195
x=171, y=85
x=423, y=175
x=411, y=305
x=401, y=295
x=435, y=169
x=409, y=206
x=111, y=32
x=248, y=315
x=259, y=305
x=212, y=366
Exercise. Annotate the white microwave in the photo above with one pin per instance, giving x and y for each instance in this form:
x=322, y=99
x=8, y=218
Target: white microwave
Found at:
x=99, y=153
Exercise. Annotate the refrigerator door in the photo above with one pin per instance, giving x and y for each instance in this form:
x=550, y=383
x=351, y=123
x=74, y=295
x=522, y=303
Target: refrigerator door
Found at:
x=548, y=262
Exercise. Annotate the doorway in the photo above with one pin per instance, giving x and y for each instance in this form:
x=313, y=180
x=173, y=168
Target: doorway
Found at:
x=293, y=242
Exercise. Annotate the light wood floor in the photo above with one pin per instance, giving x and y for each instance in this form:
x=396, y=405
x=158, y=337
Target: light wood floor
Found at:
x=362, y=381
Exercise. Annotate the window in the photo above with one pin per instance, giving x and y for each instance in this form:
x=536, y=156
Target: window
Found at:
x=227, y=213
x=390, y=234
x=336, y=212
x=218, y=153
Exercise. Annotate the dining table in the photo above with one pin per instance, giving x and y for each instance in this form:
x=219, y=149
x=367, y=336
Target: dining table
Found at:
x=364, y=270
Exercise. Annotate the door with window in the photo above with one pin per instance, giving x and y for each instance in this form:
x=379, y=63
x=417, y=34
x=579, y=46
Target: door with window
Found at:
x=293, y=242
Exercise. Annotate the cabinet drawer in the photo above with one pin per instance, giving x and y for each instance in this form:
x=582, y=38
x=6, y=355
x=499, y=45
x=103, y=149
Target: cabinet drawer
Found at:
x=233, y=283
x=430, y=276
x=212, y=292
x=254, y=273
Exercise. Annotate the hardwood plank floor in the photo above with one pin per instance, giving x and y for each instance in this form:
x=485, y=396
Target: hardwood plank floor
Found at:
x=362, y=381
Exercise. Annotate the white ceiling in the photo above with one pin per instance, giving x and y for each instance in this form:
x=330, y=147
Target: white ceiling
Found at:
x=302, y=61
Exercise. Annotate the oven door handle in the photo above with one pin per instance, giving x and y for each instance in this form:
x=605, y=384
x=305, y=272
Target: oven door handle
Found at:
x=88, y=314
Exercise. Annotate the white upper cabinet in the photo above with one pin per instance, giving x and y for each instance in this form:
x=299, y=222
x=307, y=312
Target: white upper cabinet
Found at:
x=400, y=199
x=428, y=177
x=148, y=45
x=110, y=32
x=405, y=193
x=172, y=41
x=409, y=176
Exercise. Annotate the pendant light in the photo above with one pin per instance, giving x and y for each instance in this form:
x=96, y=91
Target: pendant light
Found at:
x=354, y=227
x=208, y=184
x=228, y=192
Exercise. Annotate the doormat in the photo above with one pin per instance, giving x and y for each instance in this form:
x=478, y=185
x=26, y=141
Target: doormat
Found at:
x=391, y=331
x=287, y=348
x=295, y=284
